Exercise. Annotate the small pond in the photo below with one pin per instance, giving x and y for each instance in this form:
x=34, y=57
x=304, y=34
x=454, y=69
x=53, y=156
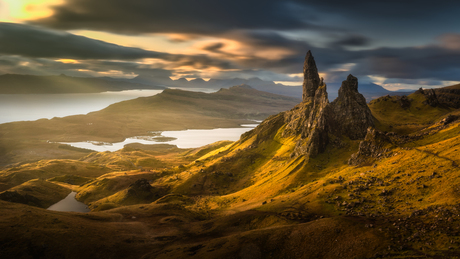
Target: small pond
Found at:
x=69, y=203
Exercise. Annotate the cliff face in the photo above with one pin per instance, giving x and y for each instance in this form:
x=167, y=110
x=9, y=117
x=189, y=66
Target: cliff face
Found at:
x=315, y=118
x=309, y=120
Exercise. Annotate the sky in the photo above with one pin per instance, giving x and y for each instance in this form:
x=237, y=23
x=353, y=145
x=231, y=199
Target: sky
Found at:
x=394, y=43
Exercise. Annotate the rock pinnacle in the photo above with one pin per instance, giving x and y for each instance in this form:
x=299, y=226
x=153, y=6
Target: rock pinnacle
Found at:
x=311, y=79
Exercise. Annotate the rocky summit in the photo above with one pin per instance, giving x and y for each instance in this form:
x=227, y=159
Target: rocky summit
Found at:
x=315, y=118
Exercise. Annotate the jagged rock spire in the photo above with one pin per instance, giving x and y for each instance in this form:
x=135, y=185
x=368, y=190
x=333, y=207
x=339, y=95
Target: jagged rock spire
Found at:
x=350, y=114
x=311, y=79
x=315, y=118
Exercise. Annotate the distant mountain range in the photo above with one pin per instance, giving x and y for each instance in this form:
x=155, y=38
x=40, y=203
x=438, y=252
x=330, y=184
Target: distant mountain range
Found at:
x=30, y=84
x=370, y=91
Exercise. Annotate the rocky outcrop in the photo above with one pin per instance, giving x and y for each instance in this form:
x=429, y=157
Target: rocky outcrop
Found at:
x=315, y=118
x=448, y=97
x=449, y=119
x=350, y=115
x=430, y=96
x=141, y=189
x=375, y=145
x=310, y=121
x=311, y=80
x=404, y=102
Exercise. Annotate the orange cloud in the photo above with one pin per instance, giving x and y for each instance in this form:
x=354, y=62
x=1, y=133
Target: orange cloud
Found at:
x=22, y=10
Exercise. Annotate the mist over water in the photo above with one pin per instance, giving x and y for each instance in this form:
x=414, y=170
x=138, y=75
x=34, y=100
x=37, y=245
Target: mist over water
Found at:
x=27, y=107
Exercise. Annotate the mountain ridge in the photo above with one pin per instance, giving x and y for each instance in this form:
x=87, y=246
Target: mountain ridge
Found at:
x=30, y=84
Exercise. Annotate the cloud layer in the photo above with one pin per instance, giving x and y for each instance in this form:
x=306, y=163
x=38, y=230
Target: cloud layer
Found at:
x=406, y=40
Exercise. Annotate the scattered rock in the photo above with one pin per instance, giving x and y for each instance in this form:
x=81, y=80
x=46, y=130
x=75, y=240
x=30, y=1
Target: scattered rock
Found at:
x=404, y=102
x=373, y=146
x=430, y=96
x=449, y=119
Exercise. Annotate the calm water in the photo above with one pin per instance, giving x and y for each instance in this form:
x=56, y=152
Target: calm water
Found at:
x=182, y=138
x=70, y=204
x=26, y=107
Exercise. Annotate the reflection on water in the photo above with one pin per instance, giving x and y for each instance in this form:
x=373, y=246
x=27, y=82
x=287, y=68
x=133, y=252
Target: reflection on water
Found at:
x=69, y=203
x=181, y=138
x=198, y=138
x=25, y=107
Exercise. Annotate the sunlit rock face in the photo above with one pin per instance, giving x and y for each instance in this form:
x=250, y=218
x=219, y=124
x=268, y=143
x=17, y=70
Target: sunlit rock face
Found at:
x=315, y=118
x=309, y=119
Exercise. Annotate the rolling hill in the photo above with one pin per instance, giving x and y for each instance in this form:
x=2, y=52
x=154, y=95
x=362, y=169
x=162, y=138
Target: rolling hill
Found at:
x=169, y=110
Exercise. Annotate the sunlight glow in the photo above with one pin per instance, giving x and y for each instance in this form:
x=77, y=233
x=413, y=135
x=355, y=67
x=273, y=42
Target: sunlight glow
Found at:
x=68, y=61
x=344, y=67
x=152, y=42
x=377, y=79
x=22, y=10
x=288, y=83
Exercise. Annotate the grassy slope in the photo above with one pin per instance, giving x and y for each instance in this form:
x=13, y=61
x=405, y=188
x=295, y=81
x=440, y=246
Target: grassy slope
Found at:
x=392, y=117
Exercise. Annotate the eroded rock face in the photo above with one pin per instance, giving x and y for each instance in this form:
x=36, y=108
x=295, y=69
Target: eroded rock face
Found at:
x=404, y=102
x=350, y=114
x=448, y=97
x=373, y=146
x=311, y=80
x=310, y=120
x=315, y=118
x=430, y=96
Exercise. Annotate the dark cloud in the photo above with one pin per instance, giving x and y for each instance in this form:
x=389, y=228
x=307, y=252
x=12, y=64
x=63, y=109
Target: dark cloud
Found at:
x=214, y=47
x=430, y=62
x=36, y=42
x=270, y=25
x=216, y=17
x=352, y=40
x=31, y=41
x=198, y=16
x=400, y=10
